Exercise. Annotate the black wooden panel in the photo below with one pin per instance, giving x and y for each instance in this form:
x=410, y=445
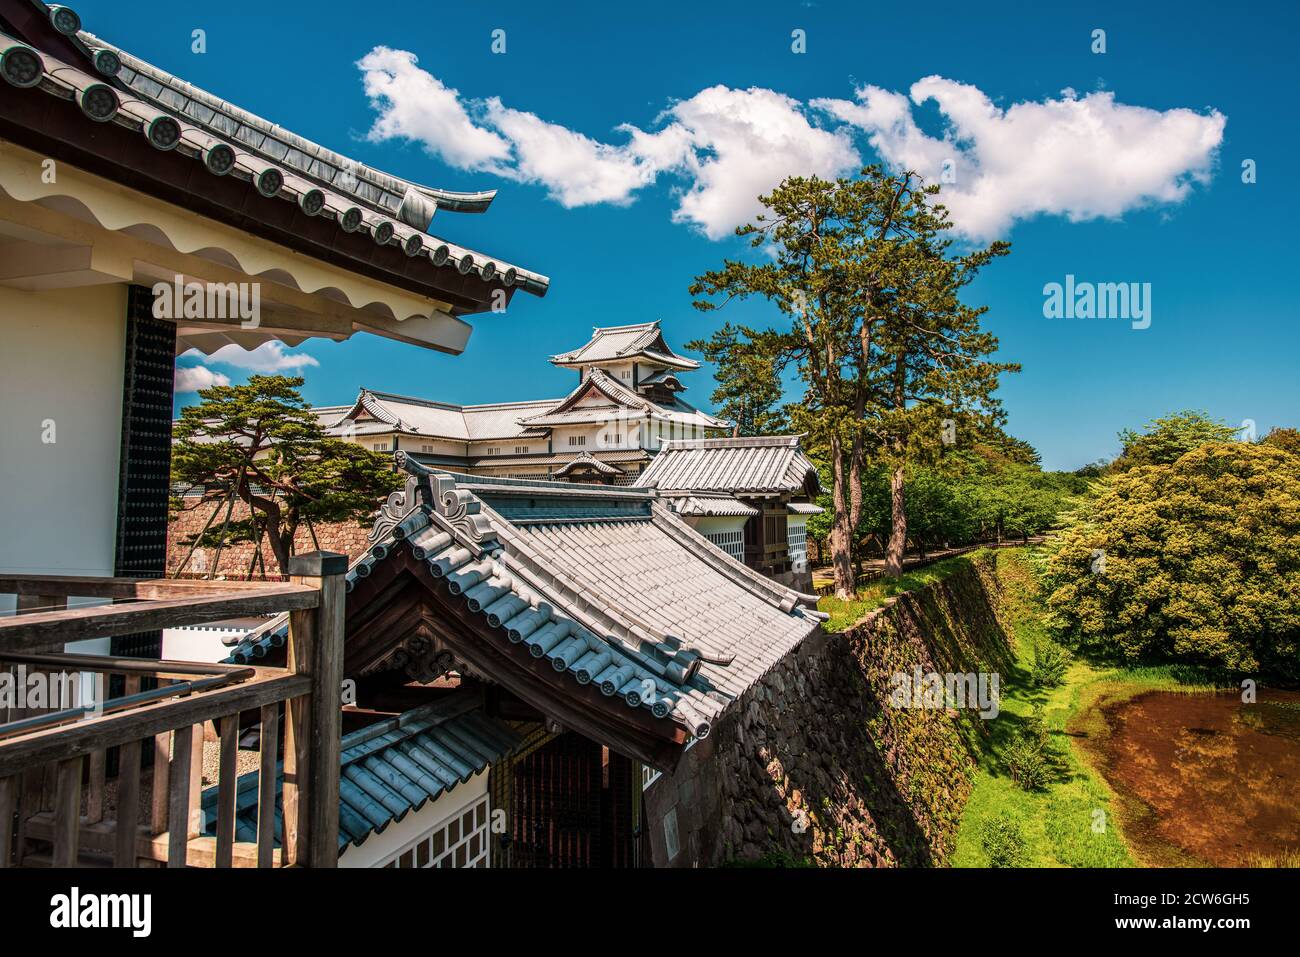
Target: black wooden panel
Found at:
x=145, y=462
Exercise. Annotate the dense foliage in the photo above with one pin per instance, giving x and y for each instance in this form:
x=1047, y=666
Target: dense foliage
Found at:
x=261, y=444
x=1195, y=560
x=990, y=491
x=1168, y=438
x=873, y=342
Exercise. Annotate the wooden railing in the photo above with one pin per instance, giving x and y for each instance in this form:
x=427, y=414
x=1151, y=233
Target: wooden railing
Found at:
x=827, y=587
x=59, y=806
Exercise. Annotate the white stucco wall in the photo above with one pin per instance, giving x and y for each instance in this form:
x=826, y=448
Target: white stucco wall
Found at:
x=379, y=848
x=61, y=363
x=704, y=524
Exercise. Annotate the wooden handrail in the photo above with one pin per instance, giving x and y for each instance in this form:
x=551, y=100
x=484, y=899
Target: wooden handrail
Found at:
x=86, y=586
x=106, y=731
x=44, y=630
x=47, y=753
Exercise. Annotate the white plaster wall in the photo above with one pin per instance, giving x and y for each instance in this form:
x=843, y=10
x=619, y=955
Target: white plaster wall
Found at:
x=378, y=848
x=706, y=524
x=61, y=358
x=198, y=644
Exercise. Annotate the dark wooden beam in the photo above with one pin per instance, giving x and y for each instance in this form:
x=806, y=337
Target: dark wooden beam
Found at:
x=53, y=629
x=106, y=731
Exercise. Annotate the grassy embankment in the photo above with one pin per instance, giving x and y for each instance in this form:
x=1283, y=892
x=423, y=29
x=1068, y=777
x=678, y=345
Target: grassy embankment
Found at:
x=1076, y=820
x=874, y=594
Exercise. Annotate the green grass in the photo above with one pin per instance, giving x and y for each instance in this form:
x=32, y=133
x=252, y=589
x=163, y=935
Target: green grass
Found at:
x=871, y=596
x=1076, y=820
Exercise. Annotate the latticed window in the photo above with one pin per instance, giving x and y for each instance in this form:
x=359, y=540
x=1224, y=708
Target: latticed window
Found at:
x=797, y=539
x=459, y=841
x=733, y=542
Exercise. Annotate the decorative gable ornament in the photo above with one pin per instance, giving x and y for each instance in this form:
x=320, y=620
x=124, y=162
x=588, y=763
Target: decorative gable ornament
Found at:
x=456, y=509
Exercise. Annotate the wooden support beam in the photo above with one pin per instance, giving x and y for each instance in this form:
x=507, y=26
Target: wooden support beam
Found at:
x=266, y=775
x=162, y=752
x=178, y=809
x=128, y=797
x=9, y=790
x=314, y=728
x=226, y=787
x=67, y=812
x=95, y=786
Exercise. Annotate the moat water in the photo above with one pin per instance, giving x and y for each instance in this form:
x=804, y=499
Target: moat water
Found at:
x=1215, y=778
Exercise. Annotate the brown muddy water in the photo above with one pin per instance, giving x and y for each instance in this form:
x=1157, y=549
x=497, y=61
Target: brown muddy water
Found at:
x=1207, y=775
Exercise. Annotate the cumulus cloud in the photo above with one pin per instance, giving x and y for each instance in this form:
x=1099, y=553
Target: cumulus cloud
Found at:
x=1078, y=157
x=194, y=378
x=576, y=169
x=268, y=357
x=744, y=142
x=413, y=104
x=728, y=145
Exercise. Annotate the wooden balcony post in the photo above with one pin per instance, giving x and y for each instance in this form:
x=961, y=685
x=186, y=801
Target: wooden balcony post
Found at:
x=314, y=727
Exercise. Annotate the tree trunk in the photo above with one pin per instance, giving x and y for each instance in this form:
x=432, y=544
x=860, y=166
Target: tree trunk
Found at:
x=841, y=536
x=898, y=525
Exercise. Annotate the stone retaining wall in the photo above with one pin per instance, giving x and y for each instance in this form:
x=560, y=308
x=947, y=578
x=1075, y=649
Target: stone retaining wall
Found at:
x=348, y=538
x=812, y=765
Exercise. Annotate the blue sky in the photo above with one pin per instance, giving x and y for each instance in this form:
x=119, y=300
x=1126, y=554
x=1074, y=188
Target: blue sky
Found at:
x=1223, y=335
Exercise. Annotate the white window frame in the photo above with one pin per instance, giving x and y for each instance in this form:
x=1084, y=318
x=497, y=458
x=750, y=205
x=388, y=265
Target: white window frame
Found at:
x=441, y=845
x=796, y=539
x=731, y=541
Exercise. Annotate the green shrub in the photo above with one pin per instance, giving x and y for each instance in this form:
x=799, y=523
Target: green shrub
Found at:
x=1050, y=664
x=1194, y=561
x=1029, y=757
x=1003, y=841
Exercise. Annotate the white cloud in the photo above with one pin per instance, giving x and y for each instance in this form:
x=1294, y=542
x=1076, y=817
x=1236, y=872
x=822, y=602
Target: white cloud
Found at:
x=744, y=142
x=413, y=104
x=730, y=145
x=578, y=170
x=1080, y=157
x=268, y=357
x=194, y=378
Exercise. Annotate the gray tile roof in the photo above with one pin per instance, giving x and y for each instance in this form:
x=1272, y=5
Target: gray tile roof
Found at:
x=388, y=770
x=622, y=401
x=664, y=377
x=607, y=585
x=585, y=460
x=613, y=343
x=442, y=420
x=706, y=505
x=226, y=140
x=768, y=464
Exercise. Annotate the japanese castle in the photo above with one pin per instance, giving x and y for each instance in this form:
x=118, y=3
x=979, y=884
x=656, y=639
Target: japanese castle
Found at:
x=625, y=405
x=623, y=424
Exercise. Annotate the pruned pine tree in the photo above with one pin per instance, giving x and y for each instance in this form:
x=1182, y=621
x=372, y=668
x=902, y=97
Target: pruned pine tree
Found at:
x=873, y=333
x=261, y=444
